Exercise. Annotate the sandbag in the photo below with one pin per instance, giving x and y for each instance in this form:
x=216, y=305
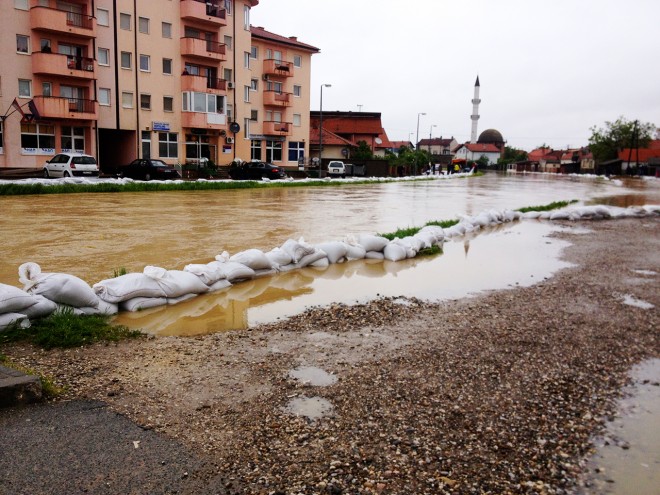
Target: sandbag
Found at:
x=375, y=255
x=372, y=242
x=426, y=239
x=233, y=271
x=254, y=258
x=411, y=245
x=219, y=285
x=104, y=308
x=207, y=273
x=355, y=251
x=434, y=230
x=176, y=283
x=140, y=303
x=394, y=252
x=335, y=251
x=297, y=249
x=129, y=286
x=311, y=258
x=61, y=288
x=278, y=257
x=42, y=308
x=8, y=319
x=15, y=300
x=176, y=300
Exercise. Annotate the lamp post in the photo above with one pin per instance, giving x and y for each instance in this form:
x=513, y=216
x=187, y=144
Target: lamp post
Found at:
x=431, y=136
x=321, y=130
x=417, y=142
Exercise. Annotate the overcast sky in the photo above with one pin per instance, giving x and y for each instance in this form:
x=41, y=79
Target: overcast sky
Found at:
x=549, y=69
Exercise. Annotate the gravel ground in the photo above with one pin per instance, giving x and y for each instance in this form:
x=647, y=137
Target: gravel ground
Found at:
x=498, y=393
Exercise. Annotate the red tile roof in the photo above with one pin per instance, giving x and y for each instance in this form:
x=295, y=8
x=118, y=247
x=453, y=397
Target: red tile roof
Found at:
x=481, y=147
x=261, y=33
x=329, y=138
x=642, y=155
x=436, y=142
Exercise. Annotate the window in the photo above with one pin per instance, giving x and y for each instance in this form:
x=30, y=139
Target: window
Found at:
x=255, y=150
x=102, y=17
x=228, y=4
x=227, y=75
x=273, y=151
x=254, y=84
x=104, y=56
x=297, y=120
x=254, y=115
x=104, y=97
x=167, y=66
x=246, y=93
x=143, y=25
x=127, y=99
x=167, y=145
x=246, y=60
x=296, y=150
x=277, y=116
x=24, y=88
x=246, y=128
x=72, y=139
x=297, y=61
x=203, y=102
x=37, y=139
x=1, y=138
x=46, y=89
x=166, y=29
x=269, y=116
x=246, y=17
x=145, y=102
x=230, y=112
x=45, y=45
x=145, y=63
x=22, y=43
x=21, y=4
x=229, y=42
x=126, y=60
x=274, y=86
x=168, y=103
x=297, y=90
x=146, y=144
x=254, y=52
x=125, y=22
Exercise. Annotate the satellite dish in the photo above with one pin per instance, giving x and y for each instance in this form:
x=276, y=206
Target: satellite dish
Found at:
x=379, y=141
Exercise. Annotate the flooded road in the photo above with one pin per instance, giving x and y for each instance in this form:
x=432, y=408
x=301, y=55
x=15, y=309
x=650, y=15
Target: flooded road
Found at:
x=92, y=235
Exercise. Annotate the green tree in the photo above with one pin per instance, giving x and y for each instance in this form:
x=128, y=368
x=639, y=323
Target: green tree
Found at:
x=512, y=155
x=362, y=152
x=605, y=143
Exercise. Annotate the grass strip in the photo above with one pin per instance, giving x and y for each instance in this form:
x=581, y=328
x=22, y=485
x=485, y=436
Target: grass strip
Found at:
x=550, y=206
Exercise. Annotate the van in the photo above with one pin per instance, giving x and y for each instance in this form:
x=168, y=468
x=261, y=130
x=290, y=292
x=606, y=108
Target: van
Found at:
x=336, y=167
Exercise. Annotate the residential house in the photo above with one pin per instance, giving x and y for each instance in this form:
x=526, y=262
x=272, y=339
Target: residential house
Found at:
x=643, y=161
x=474, y=151
x=439, y=146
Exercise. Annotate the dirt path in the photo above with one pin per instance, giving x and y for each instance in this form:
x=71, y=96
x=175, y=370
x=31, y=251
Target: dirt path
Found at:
x=494, y=394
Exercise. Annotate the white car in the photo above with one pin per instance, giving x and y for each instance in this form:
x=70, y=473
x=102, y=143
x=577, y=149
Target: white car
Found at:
x=70, y=165
x=336, y=167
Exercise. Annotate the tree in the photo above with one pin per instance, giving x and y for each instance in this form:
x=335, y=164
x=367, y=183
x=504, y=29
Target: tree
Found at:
x=512, y=155
x=605, y=143
x=362, y=152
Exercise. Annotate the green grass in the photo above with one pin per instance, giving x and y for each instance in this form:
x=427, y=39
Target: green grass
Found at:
x=550, y=206
x=408, y=231
x=65, y=329
x=118, y=272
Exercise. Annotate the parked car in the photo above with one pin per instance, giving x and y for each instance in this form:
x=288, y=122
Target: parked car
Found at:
x=147, y=169
x=337, y=167
x=70, y=165
x=257, y=171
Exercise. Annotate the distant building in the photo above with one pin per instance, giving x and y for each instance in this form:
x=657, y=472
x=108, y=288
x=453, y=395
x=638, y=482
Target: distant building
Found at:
x=473, y=152
x=439, y=146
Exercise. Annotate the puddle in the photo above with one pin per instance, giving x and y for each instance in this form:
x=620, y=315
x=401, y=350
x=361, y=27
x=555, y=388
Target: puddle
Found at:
x=627, y=459
x=315, y=377
x=638, y=303
x=312, y=408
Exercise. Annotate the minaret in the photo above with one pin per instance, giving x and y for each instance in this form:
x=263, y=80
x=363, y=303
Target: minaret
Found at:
x=475, y=112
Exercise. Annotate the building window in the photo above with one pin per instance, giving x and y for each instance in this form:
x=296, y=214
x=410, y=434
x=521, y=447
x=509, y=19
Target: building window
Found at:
x=229, y=42
x=246, y=60
x=254, y=84
x=37, y=139
x=126, y=60
x=102, y=17
x=255, y=150
x=297, y=61
x=168, y=103
x=46, y=89
x=228, y=4
x=167, y=66
x=145, y=63
x=297, y=90
x=254, y=115
x=167, y=145
x=24, y=88
x=273, y=151
x=72, y=139
x=246, y=128
x=296, y=150
x=127, y=99
x=254, y=52
x=104, y=56
x=227, y=75
x=230, y=112
x=125, y=22
x=45, y=45
x=22, y=44
x=166, y=29
x=203, y=102
x=296, y=120
x=246, y=17
x=246, y=93
x=104, y=97
x=145, y=102
x=143, y=25
x=146, y=144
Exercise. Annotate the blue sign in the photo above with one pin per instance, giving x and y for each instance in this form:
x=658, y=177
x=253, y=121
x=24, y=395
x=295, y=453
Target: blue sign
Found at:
x=160, y=126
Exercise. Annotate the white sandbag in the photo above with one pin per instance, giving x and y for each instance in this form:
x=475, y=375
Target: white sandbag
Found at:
x=219, y=285
x=394, y=252
x=481, y=220
x=335, y=251
x=297, y=249
x=207, y=273
x=104, y=308
x=129, y=286
x=176, y=300
x=265, y=272
x=8, y=319
x=412, y=245
x=278, y=257
x=140, y=303
x=233, y=271
x=560, y=215
x=61, y=288
x=223, y=257
x=42, y=308
x=355, y=251
x=321, y=263
x=372, y=242
x=455, y=230
x=426, y=239
x=176, y=283
x=254, y=258
x=311, y=258
x=14, y=300
x=531, y=215
x=375, y=255
x=436, y=231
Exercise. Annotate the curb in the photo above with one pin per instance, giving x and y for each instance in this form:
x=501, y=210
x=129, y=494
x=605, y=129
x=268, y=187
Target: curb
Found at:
x=18, y=388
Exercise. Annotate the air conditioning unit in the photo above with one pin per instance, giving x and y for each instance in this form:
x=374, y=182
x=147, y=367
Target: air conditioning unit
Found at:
x=230, y=85
x=229, y=140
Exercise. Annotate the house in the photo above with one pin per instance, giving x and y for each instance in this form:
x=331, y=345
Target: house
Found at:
x=439, y=146
x=474, y=151
x=643, y=161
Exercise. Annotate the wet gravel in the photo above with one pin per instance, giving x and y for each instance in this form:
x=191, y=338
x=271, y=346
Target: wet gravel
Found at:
x=499, y=393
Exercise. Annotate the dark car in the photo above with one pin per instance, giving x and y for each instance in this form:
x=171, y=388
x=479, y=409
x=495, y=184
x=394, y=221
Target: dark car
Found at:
x=256, y=171
x=148, y=169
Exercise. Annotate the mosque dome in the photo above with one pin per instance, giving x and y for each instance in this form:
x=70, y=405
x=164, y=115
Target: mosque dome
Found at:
x=491, y=136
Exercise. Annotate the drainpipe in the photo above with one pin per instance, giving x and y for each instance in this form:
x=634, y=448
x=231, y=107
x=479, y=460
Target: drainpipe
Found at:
x=117, y=57
x=138, y=137
x=233, y=47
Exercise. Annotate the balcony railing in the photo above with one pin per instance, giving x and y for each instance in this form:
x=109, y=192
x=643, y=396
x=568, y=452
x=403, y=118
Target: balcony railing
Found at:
x=45, y=62
x=277, y=128
x=79, y=20
x=275, y=67
x=62, y=21
x=198, y=47
x=277, y=99
x=193, y=82
x=61, y=107
x=197, y=8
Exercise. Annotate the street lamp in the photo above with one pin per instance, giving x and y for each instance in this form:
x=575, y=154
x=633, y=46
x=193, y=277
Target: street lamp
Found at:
x=417, y=141
x=321, y=130
x=431, y=136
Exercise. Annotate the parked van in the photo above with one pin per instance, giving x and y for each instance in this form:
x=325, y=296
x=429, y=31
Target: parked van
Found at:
x=336, y=167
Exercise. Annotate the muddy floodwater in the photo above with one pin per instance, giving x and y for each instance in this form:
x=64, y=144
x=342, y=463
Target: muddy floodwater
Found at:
x=93, y=235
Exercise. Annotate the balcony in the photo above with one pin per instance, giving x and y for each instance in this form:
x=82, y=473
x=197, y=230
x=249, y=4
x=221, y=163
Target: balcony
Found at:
x=63, y=65
x=201, y=120
x=61, y=21
x=272, y=128
x=203, y=12
x=58, y=107
x=274, y=67
x=203, y=84
x=203, y=49
x=275, y=99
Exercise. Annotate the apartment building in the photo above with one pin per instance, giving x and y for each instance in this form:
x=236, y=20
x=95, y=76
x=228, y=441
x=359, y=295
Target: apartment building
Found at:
x=180, y=80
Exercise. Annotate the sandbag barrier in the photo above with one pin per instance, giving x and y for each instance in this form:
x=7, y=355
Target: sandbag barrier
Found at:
x=44, y=293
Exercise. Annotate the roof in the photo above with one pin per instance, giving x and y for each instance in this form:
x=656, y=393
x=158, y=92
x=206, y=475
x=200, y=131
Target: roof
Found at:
x=261, y=33
x=641, y=155
x=481, y=148
x=329, y=138
x=490, y=136
x=399, y=144
x=343, y=123
x=436, y=142
x=538, y=153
